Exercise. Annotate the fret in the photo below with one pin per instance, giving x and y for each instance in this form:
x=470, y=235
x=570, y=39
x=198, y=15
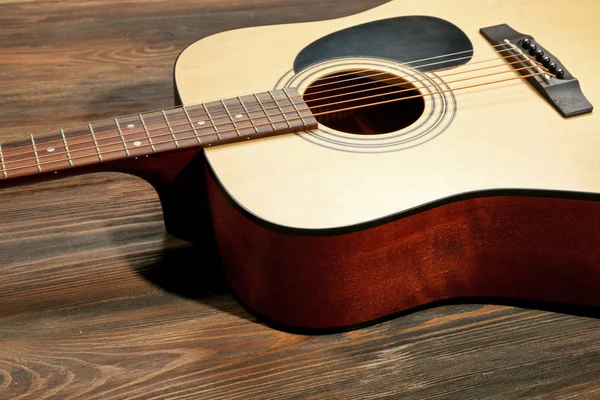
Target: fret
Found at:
x=19, y=158
x=35, y=153
x=191, y=124
x=170, y=128
x=224, y=121
x=203, y=124
x=64, y=140
x=80, y=144
x=132, y=139
x=265, y=111
x=95, y=142
x=294, y=105
x=122, y=138
x=147, y=133
x=258, y=118
x=212, y=121
x=4, y=173
x=280, y=109
x=244, y=124
x=50, y=152
x=109, y=140
x=307, y=120
x=248, y=114
x=158, y=130
x=180, y=127
x=237, y=131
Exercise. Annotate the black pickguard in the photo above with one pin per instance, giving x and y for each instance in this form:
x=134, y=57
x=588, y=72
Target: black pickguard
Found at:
x=402, y=39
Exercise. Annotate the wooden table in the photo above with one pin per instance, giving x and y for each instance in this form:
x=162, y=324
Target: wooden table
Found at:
x=98, y=302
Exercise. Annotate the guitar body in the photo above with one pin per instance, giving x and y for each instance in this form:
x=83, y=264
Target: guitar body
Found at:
x=497, y=197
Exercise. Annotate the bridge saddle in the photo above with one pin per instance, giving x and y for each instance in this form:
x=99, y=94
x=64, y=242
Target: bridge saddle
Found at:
x=558, y=85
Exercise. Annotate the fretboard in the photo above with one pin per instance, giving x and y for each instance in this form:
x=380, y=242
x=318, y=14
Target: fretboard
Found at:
x=202, y=125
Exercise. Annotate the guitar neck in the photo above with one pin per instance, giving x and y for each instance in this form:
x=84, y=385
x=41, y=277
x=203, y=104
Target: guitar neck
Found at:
x=194, y=126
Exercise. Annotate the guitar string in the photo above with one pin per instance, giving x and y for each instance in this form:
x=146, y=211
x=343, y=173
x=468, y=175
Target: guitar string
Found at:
x=435, y=70
x=409, y=89
x=408, y=82
x=418, y=66
x=227, y=112
x=419, y=60
x=121, y=137
x=424, y=59
x=428, y=94
x=282, y=114
x=35, y=165
x=407, y=62
x=122, y=141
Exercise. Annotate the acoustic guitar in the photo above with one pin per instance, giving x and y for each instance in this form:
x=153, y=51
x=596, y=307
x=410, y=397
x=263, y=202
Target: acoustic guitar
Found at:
x=347, y=170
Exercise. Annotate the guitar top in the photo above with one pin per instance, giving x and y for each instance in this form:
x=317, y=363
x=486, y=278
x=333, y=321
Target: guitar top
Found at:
x=475, y=129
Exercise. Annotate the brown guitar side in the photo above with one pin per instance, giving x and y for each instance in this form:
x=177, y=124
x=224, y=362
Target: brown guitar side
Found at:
x=523, y=247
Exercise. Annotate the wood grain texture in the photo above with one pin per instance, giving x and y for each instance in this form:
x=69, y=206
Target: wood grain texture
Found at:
x=96, y=301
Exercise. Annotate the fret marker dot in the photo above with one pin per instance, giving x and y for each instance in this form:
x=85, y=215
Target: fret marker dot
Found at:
x=131, y=126
x=238, y=116
x=137, y=143
x=201, y=122
x=50, y=149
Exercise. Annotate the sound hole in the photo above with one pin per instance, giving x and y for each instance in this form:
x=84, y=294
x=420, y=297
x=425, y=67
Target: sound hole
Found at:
x=364, y=103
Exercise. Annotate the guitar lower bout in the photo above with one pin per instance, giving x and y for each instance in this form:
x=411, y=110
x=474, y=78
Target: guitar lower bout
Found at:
x=524, y=246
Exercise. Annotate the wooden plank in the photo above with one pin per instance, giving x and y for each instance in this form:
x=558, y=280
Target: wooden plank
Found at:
x=97, y=302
